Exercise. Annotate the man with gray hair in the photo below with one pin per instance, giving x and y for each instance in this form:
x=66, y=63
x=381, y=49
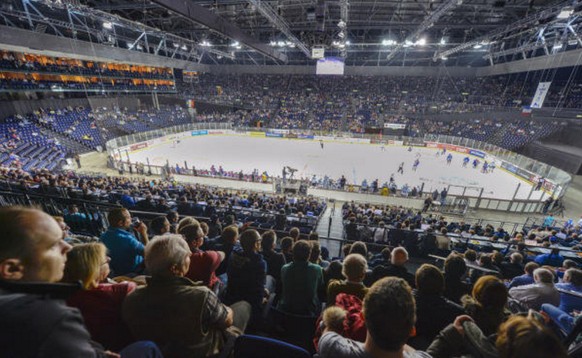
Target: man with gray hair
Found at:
x=542, y=291
x=184, y=318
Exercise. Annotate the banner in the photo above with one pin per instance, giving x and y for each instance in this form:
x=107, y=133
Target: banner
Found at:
x=277, y=135
x=195, y=133
x=477, y=153
x=395, y=125
x=540, y=96
x=257, y=134
x=305, y=136
x=138, y=146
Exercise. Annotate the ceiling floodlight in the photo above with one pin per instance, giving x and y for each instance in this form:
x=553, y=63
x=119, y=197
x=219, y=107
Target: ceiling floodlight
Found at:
x=184, y=47
x=477, y=46
x=565, y=13
x=107, y=25
x=205, y=43
x=341, y=35
x=408, y=43
x=421, y=42
x=388, y=42
x=443, y=41
x=341, y=24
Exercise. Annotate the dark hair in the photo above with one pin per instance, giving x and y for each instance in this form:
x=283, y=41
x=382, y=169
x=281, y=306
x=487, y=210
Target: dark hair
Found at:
x=248, y=239
x=115, y=216
x=301, y=251
x=359, y=247
x=455, y=266
x=286, y=243
x=471, y=255
x=389, y=313
x=157, y=224
x=268, y=240
x=430, y=280
x=530, y=267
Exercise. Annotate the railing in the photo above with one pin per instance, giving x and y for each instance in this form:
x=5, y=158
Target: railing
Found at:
x=557, y=180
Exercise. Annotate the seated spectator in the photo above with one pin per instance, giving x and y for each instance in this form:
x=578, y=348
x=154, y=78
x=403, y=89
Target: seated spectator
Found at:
x=572, y=282
x=227, y=241
x=160, y=226
x=302, y=283
x=287, y=248
x=183, y=318
x=315, y=256
x=513, y=268
x=552, y=259
x=294, y=233
x=398, y=258
x=99, y=302
x=455, y=284
x=527, y=278
x=203, y=264
x=247, y=273
x=173, y=218
x=433, y=311
x=354, y=270
x=125, y=250
x=487, y=302
x=389, y=314
x=146, y=204
x=471, y=257
x=485, y=262
x=35, y=320
x=275, y=260
x=542, y=291
x=565, y=321
x=518, y=337
x=359, y=248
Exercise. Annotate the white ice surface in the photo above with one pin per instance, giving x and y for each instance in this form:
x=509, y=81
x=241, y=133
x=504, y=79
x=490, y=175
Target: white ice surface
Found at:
x=355, y=161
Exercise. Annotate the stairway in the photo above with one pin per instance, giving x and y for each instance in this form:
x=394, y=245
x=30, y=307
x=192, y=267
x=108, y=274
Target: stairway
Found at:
x=335, y=231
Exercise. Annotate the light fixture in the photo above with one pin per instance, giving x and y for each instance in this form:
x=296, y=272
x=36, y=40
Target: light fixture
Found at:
x=235, y=44
x=420, y=42
x=107, y=25
x=205, y=43
x=477, y=46
x=565, y=12
x=341, y=24
x=388, y=42
x=184, y=47
x=408, y=43
x=443, y=41
x=176, y=45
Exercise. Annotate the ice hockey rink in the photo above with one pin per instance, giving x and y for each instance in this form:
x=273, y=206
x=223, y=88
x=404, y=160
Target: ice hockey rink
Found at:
x=356, y=161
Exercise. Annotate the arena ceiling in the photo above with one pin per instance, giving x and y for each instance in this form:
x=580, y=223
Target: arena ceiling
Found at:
x=364, y=32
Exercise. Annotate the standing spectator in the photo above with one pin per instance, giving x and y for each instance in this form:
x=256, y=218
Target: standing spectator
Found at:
x=302, y=283
x=275, y=260
x=247, y=273
x=287, y=249
x=227, y=241
x=125, y=250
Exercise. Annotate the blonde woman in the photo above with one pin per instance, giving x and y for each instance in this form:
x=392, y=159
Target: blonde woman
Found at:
x=99, y=302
